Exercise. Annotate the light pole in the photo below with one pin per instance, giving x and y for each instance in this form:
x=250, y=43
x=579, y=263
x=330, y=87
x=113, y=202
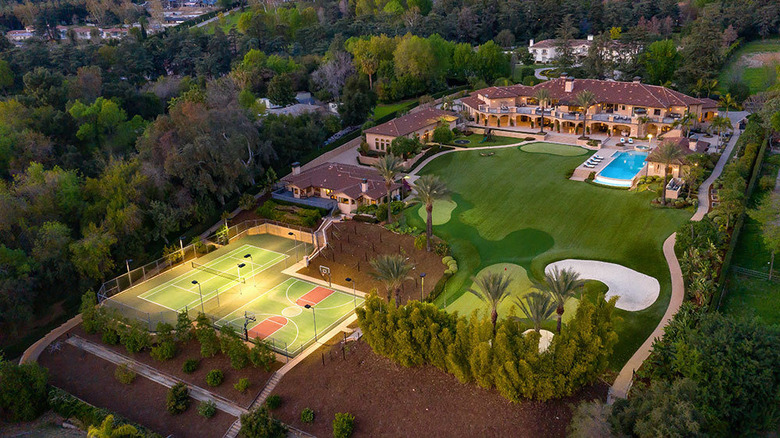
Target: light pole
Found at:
x=129, y=278
x=354, y=295
x=181, y=245
x=240, y=288
x=422, y=285
x=200, y=292
x=651, y=139
x=296, y=244
x=314, y=317
x=249, y=256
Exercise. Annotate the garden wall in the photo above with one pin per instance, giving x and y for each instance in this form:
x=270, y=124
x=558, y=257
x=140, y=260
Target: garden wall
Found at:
x=508, y=133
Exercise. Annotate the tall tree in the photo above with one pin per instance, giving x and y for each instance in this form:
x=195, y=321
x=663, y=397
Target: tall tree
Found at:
x=358, y=101
x=537, y=307
x=660, y=60
x=584, y=100
x=492, y=288
x=429, y=188
x=334, y=74
x=560, y=284
x=564, y=34
x=392, y=270
x=280, y=90
x=727, y=101
x=107, y=429
x=389, y=166
x=542, y=95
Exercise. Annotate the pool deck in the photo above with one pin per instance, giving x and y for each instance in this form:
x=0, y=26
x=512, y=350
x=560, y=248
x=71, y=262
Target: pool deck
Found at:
x=581, y=172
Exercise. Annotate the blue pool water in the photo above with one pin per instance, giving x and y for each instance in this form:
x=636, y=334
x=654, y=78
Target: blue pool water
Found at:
x=622, y=169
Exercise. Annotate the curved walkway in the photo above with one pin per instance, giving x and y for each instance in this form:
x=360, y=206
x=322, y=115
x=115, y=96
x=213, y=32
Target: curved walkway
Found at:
x=625, y=378
x=635, y=291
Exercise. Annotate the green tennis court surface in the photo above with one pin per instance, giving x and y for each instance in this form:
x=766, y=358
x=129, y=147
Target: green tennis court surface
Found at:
x=214, y=277
x=281, y=317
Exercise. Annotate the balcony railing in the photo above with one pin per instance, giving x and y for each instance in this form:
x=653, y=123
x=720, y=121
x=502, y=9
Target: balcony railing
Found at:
x=572, y=115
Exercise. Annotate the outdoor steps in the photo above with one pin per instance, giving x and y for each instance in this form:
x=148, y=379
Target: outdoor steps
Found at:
x=234, y=429
x=269, y=387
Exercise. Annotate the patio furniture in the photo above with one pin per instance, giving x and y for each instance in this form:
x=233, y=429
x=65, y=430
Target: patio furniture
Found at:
x=630, y=140
x=622, y=140
x=590, y=166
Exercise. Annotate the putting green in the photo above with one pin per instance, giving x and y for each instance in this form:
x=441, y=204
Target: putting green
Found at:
x=442, y=211
x=554, y=149
x=520, y=287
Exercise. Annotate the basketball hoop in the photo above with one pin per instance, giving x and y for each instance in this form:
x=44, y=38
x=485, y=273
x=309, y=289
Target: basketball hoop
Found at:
x=325, y=272
x=248, y=317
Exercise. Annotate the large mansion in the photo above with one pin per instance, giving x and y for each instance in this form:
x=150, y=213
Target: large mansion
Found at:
x=420, y=124
x=627, y=109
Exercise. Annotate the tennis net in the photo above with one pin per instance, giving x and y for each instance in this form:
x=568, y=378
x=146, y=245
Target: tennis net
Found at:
x=218, y=272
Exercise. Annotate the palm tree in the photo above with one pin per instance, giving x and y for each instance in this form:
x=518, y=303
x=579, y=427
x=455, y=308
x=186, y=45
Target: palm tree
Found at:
x=428, y=189
x=537, y=307
x=542, y=96
x=492, y=289
x=710, y=86
x=560, y=284
x=728, y=101
x=107, y=429
x=721, y=124
x=392, y=270
x=684, y=123
x=666, y=153
x=584, y=100
x=388, y=166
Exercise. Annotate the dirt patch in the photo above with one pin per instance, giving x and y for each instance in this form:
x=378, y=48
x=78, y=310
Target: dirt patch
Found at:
x=92, y=379
x=352, y=245
x=48, y=425
x=760, y=59
x=191, y=350
x=390, y=400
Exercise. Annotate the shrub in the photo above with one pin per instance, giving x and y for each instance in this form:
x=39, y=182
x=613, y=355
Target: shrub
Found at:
x=442, y=135
x=242, y=385
x=261, y=355
x=767, y=182
x=307, y=415
x=441, y=249
x=273, y=401
x=207, y=409
x=22, y=390
x=124, y=374
x=591, y=176
x=246, y=202
x=215, y=377
x=178, y=399
x=259, y=423
x=238, y=353
x=134, y=336
x=164, y=351
x=183, y=327
x=109, y=336
x=343, y=425
x=420, y=241
x=207, y=336
x=529, y=139
x=190, y=366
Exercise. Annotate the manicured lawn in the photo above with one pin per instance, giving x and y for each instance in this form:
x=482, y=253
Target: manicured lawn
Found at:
x=554, y=149
x=756, y=77
x=518, y=208
x=752, y=297
x=475, y=140
x=226, y=22
x=383, y=110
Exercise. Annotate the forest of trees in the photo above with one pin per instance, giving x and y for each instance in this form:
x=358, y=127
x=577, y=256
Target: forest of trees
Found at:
x=108, y=150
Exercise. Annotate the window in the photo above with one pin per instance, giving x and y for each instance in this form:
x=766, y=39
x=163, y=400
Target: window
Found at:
x=656, y=112
x=622, y=107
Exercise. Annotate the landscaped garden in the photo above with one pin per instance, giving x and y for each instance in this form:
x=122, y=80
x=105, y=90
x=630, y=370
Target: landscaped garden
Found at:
x=515, y=211
x=475, y=140
x=754, y=63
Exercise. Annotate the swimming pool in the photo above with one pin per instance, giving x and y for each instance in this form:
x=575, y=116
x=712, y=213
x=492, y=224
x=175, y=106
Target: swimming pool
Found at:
x=622, y=170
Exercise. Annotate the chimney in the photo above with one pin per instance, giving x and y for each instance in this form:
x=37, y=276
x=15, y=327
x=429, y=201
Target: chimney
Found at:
x=531, y=43
x=637, y=80
x=296, y=168
x=590, y=37
x=569, y=83
x=364, y=185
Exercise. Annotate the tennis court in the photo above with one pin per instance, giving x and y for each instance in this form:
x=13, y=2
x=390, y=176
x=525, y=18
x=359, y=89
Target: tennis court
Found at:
x=280, y=315
x=206, y=280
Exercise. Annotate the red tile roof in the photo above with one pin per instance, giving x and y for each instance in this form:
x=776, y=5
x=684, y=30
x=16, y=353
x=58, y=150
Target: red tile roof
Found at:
x=342, y=178
x=472, y=101
x=684, y=143
x=409, y=123
x=548, y=44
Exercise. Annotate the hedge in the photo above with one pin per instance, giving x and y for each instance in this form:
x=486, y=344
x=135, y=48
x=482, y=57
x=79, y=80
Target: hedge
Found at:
x=69, y=406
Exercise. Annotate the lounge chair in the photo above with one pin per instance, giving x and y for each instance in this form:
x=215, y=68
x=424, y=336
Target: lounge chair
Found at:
x=630, y=141
x=622, y=140
x=590, y=166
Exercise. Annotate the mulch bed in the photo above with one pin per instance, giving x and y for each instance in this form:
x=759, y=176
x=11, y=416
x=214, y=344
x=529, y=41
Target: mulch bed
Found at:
x=191, y=350
x=91, y=379
x=390, y=400
x=352, y=245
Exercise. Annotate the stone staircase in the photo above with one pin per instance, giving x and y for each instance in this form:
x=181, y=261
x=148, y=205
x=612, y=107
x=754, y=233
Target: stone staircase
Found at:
x=233, y=431
x=269, y=387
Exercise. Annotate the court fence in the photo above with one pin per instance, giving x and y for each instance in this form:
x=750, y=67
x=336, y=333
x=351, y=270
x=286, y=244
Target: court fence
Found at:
x=211, y=308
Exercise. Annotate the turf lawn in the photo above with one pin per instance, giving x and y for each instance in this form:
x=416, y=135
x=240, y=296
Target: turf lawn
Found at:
x=383, y=110
x=475, y=140
x=746, y=296
x=757, y=78
x=226, y=22
x=517, y=210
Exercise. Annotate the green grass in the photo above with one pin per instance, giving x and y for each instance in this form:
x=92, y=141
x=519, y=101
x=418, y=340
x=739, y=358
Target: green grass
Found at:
x=475, y=140
x=226, y=23
x=442, y=211
x=517, y=207
x=554, y=149
x=383, y=110
x=752, y=297
x=757, y=78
